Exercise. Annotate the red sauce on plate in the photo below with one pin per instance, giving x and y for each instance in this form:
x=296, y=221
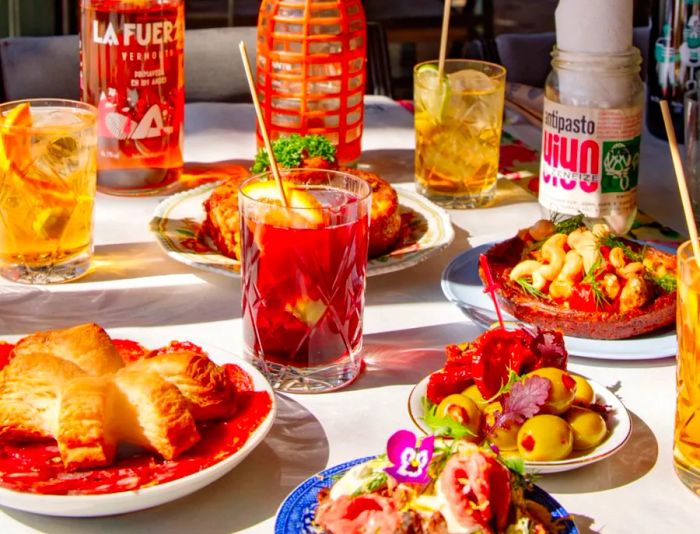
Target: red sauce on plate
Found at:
x=36, y=467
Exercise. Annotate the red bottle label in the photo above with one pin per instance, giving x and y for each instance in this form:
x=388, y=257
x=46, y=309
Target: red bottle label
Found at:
x=132, y=70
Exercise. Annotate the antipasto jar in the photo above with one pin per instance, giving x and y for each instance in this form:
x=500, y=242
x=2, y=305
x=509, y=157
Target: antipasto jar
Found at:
x=591, y=133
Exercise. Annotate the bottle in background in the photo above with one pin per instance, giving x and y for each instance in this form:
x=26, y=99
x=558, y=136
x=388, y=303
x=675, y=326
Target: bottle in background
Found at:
x=132, y=70
x=674, y=57
x=311, y=71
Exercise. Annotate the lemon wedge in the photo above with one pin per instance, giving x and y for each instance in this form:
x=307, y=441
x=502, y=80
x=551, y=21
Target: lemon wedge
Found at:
x=14, y=147
x=434, y=94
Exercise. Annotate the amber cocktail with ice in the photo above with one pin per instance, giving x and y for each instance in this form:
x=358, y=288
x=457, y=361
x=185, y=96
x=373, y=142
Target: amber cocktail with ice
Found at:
x=47, y=189
x=458, y=119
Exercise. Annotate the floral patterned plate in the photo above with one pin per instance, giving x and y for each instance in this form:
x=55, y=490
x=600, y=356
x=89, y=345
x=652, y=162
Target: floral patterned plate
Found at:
x=296, y=514
x=176, y=222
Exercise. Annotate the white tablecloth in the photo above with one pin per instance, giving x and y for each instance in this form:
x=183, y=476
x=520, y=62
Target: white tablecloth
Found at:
x=137, y=290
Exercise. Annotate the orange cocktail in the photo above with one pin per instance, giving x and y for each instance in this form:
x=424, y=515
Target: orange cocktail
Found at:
x=686, y=450
x=47, y=189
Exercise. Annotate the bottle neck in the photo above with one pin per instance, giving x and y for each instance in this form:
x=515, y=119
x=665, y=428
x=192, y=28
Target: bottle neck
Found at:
x=621, y=64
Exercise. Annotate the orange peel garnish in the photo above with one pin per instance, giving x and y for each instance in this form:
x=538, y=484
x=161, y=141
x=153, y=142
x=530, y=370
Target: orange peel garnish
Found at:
x=14, y=147
x=304, y=210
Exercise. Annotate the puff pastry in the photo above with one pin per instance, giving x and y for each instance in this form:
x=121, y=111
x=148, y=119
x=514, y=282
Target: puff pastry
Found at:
x=71, y=385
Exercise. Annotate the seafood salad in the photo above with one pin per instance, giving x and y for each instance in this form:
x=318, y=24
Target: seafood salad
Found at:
x=453, y=488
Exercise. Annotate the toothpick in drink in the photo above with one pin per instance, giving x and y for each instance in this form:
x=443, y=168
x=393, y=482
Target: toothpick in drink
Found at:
x=682, y=183
x=261, y=123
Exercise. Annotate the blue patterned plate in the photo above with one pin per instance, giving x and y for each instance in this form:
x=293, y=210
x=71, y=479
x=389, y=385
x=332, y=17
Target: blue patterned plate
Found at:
x=296, y=514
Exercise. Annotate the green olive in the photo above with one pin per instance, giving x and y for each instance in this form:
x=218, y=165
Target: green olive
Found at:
x=474, y=394
x=588, y=427
x=506, y=437
x=463, y=410
x=563, y=390
x=544, y=438
x=584, y=392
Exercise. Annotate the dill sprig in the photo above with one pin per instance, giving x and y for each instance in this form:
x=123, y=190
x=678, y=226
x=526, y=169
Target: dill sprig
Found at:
x=591, y=278
x=527, y=286
x=668, y=282
x=615, y=242
x=568, y=225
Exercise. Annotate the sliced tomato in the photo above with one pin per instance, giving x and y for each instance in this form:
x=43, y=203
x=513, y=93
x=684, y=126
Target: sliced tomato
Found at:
x=177, y=346
x=363, y=514
x=238, y=377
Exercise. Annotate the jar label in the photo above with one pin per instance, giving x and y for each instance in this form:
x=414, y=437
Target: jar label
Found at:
x=590, y=160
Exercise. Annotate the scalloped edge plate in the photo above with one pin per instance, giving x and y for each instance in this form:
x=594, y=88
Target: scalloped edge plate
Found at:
x=134, y=500
x=296, y=513
x=461, y=285
x=176, y=222
x=619, y=429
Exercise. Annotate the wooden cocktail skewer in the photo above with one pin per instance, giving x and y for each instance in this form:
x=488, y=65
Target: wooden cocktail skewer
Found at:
x=443, y=38
x=680, y=178
x=261, y=123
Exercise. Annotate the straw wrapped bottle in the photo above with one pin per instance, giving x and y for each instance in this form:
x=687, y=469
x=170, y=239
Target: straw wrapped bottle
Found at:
x=311, y=70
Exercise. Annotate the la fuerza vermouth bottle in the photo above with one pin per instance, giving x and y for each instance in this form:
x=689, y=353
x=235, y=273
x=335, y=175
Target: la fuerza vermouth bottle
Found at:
x=132, y=70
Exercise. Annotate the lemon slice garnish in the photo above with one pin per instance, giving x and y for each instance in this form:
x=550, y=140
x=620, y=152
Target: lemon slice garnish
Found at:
x=303, y=210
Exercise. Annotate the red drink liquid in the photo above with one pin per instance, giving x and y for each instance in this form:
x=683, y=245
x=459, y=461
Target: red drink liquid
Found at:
x=132, y=60
x=303, y=287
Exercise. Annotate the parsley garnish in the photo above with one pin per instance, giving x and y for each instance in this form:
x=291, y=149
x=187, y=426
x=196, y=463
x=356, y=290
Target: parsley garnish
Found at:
x=289, y=151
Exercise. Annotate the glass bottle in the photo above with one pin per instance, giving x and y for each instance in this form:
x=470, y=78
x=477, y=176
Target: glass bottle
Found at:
x=674, y=58
x=591, y=135
x=132, y=70
x=311, y=70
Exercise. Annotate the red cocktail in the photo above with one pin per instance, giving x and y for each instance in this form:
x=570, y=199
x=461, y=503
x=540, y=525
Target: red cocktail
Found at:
x=304, y=272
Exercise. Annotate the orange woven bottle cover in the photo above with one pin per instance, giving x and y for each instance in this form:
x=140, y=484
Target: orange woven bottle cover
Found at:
x=311, y=70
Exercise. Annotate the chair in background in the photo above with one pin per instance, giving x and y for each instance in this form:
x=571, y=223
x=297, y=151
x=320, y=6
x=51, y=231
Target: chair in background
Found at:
x=49, y=67
x=527, y=56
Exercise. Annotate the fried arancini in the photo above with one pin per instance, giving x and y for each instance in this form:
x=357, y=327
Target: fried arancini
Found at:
x=222, y=223
x=385, y=223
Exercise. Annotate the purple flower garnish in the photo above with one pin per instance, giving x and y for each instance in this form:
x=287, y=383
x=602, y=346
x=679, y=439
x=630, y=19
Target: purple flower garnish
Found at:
x=410, y=458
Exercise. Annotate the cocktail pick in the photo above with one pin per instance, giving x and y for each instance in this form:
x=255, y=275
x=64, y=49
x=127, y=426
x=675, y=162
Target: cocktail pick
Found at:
x=443, y=38
x=491, y=287
x=261, y=123
x=682, y=183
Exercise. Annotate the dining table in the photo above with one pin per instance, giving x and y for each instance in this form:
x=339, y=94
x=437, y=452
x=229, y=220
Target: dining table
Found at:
x=136, y=290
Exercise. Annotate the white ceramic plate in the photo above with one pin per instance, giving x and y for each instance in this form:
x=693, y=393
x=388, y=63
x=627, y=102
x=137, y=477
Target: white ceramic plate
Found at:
x=461, y=284
x=619, y=430
x=177, y=219
x=131, y=501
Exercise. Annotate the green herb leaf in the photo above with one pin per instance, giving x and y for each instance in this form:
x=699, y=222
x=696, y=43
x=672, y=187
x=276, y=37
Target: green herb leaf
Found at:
x=516, y=465
x=613, y=241
x=566, y=226
x=289, y=151
x=668, y=282
x=377, y=481
x=443, y=426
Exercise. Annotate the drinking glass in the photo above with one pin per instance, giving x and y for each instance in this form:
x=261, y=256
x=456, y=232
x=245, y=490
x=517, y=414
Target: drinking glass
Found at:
x=692, y=148
x=47, y=189
x=458, y=122
x=686, y=443
x=303, y=270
